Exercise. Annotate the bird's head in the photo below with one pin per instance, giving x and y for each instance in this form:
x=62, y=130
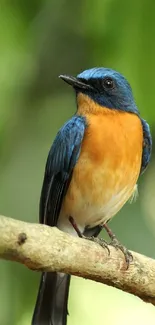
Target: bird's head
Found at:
x=105, y=87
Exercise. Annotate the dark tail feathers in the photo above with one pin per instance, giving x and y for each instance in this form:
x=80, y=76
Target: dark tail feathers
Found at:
x=51, y=305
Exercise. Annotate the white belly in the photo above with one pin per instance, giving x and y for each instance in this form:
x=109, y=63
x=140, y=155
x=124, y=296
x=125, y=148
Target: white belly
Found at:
x=87, y=215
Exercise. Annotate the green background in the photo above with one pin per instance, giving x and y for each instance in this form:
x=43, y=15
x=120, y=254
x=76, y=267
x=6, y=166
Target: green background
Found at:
x=39, y=40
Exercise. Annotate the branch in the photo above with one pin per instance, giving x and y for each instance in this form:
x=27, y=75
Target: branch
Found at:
x=43, y=248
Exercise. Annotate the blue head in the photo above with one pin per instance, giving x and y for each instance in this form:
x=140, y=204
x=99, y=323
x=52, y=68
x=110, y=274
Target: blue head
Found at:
x=106, y=87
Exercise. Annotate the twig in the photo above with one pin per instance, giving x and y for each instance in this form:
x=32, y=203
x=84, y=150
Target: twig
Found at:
x=43, y=248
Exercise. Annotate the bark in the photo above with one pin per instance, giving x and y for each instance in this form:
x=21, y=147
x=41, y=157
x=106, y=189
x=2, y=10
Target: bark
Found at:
x=42, y=248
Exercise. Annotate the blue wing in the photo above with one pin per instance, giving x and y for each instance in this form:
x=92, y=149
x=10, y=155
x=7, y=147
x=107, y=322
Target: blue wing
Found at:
x=61, y=160
x=147, y=146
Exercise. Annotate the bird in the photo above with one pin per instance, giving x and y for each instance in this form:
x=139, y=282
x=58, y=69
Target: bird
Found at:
x=91, y=171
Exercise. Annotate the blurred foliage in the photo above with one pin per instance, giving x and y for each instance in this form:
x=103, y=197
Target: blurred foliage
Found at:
x=39, y=40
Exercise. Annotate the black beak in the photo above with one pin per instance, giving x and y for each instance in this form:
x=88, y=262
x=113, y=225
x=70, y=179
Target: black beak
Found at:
x=75, y=82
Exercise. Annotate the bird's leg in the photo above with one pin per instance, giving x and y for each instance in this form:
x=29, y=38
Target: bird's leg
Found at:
x=99, y=241
x=115, y=243
x=75, y=226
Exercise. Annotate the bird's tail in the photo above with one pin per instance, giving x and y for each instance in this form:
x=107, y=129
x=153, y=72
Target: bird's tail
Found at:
x=51, y=305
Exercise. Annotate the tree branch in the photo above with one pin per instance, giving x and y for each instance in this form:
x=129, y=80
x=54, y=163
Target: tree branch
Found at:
x=43, y=248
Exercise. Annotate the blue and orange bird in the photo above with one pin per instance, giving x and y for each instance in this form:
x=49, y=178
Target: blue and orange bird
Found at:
x=91, y=172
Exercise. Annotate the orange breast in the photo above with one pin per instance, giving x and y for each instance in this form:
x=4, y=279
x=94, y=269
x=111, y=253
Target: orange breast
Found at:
x=108, y=167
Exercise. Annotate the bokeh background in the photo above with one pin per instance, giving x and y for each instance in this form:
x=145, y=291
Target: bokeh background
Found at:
x=40, y=39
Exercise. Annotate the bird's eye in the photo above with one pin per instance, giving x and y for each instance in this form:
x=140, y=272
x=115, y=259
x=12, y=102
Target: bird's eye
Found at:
x=108, y=83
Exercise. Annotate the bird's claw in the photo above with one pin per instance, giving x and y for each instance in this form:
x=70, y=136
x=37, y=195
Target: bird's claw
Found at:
x=99, y=241
x=128, y=256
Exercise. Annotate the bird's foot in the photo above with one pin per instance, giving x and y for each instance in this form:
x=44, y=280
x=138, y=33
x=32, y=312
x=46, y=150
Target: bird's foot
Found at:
x=128, y=256
x=115, y=243
x=99, y=241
